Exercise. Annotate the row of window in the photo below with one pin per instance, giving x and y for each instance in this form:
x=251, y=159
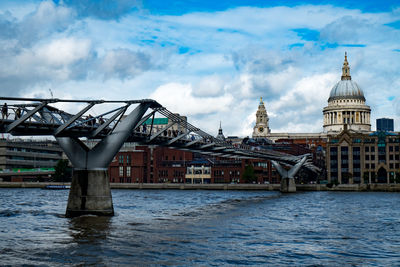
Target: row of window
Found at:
x=129, y=159
x=356, y=160
x=198, y=170
x=121, y=159
x=31, y=158
x=367, y=166
x=356, y=150
x=367, y=140
x=173, y=158
x=21, y=149
x=121, y=171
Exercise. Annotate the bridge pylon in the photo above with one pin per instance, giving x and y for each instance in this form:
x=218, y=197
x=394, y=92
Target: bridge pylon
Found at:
x=90, y=191
x=288, y=184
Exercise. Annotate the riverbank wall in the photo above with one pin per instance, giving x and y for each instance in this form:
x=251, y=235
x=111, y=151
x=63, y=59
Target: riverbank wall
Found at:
x=267, y=187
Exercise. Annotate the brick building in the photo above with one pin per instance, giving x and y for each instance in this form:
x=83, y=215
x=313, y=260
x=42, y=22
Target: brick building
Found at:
x=155, y=164
x=148, y=164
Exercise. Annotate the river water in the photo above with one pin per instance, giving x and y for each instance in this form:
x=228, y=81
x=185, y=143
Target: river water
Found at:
x=203, y=228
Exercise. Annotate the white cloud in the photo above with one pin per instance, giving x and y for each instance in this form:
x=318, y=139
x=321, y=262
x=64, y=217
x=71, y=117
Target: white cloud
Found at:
x=63, y=51
x=210, y=66
x=209, y=86
x=302, y=104
x=181, y=99
x=125, y=63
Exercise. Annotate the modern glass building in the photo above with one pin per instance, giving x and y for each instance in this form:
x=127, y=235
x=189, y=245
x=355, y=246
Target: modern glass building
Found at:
x=385, y=124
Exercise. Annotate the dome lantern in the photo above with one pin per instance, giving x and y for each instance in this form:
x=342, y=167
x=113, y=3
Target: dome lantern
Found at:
x=345, y=69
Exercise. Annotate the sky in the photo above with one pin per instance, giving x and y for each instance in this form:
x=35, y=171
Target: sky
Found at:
x=208, y=60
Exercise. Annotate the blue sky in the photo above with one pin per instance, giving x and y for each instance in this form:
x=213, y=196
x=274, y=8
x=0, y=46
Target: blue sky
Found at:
x=209, y=60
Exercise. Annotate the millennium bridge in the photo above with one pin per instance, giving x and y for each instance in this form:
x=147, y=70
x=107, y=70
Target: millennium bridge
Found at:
x=118, y=122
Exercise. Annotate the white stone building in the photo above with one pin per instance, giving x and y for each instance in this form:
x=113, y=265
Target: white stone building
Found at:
x=346, y=106
x=261, y=129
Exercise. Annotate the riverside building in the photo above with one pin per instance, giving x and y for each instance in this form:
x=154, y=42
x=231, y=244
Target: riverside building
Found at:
x=155, y=164
x=23, y=160
x=356, y=157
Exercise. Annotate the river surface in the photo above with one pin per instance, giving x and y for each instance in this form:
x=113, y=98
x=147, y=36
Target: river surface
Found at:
x=203, y=228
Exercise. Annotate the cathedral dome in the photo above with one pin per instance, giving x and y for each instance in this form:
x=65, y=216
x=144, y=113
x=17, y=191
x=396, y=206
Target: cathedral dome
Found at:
x=346, y=106
x=346, y=89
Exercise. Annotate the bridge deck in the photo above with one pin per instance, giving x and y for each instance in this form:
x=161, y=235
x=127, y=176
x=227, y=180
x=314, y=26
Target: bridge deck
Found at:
x=35, y=117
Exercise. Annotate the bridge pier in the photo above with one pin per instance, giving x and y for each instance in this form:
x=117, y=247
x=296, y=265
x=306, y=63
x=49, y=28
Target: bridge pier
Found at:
x=288, y=184
x=90, y=191
x=90, y=194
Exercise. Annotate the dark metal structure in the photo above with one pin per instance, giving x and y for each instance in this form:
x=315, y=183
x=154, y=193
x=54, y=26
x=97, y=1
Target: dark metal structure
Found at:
x=90, y=191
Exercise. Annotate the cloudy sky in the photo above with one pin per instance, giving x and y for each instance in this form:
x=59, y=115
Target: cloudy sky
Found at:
x=209, y=60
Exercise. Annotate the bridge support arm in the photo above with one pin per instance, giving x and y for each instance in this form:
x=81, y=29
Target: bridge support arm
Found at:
x=288, y=185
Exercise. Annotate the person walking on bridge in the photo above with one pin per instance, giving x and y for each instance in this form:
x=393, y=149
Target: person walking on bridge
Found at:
x=18, y=113
x=4, y=111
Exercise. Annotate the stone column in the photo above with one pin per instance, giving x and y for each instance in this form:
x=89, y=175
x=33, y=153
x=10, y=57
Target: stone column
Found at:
x=339, y=157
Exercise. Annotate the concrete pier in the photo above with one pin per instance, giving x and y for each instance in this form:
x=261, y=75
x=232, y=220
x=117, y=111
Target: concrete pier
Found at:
x=288, y=185
x=90, y=194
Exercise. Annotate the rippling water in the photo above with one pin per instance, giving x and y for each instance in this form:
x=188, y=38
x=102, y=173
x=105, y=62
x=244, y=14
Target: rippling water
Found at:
x=213, y=228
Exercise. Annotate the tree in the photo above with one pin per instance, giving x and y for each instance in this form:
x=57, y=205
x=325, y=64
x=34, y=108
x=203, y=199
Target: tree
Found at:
x=62, y=171
x=248, y=174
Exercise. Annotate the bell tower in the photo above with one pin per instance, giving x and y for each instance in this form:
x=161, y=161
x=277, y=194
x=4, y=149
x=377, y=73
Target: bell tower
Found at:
x=261, y=129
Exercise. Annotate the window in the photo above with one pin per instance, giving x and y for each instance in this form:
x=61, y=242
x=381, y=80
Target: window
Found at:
x=366, y=157
x=367, y=149
x=128, y=171
x=372, y=149
x=121, y=171
x=121, y=159
x=391, y=148
x=128, y=159
x=367, y=166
